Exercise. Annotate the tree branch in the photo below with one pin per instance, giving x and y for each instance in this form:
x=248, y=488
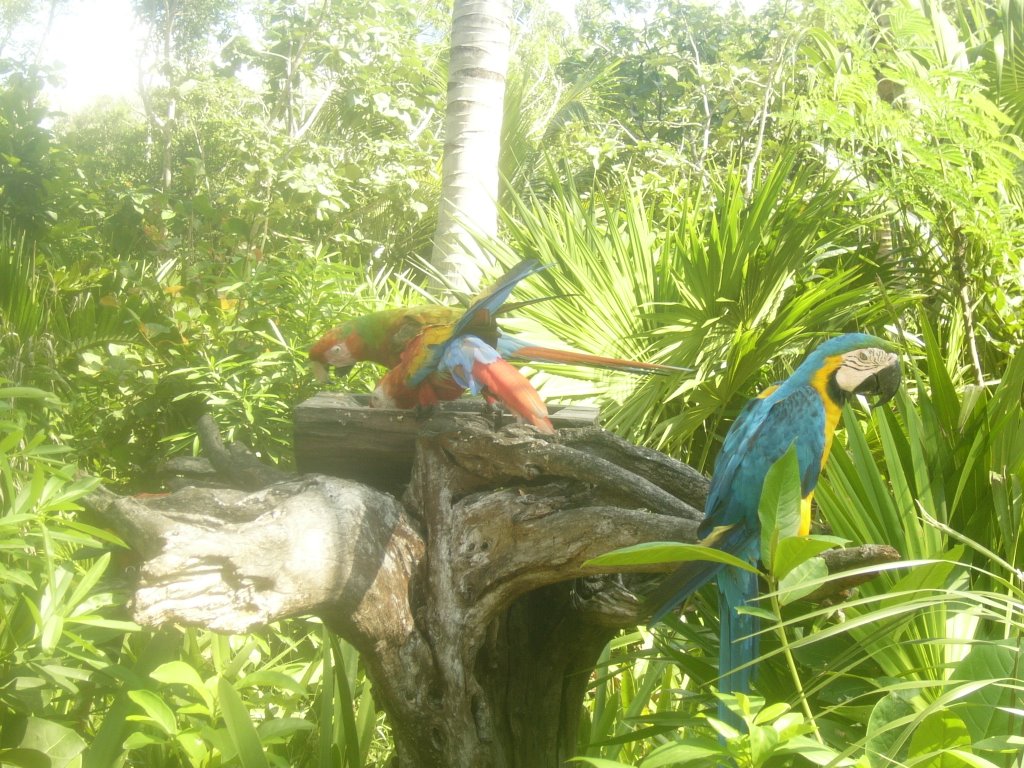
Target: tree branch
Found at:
x=518, y=453
x=231, y=560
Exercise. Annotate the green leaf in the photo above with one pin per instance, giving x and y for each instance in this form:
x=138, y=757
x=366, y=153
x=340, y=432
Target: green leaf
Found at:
x=273, y=678
x=156, y=710
x=599, y=762
x=237, y=226
x=762, y=613
x=344, y=701
x=24, y=758
x=280, y=728
x=28, y=393
x=802, y=580
x=984, y=710
x=763, y=742
x=884, y=732
x=797, y=549
x=771, y=712
x=681, y=752
x=813, y=751
x=329, y=720
x=181, y=673
x=18, y=577
x=958, y=757
x=1001, y=744
x=60, y=744
x=240, y=728
x=115, y=624
x=197, y=749
x=140, y=739
x=89, y=579
x=779, y=507
x=366, y=721
x=940, y=731
x=656, y=552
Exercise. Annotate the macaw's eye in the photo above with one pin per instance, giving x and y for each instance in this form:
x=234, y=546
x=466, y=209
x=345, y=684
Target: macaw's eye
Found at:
x=337, y=355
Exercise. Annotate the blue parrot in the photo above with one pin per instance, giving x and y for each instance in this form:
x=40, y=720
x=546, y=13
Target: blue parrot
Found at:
x=802, y=410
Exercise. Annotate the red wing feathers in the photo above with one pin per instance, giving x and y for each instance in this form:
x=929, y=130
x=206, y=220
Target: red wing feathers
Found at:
x=507, y=384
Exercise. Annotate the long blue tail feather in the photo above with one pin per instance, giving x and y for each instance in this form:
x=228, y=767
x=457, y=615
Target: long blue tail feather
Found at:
x=736, y=587
x=738, y=641
x=679, y=585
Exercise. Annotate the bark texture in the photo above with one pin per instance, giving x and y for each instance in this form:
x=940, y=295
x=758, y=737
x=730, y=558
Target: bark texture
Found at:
x=477, y=621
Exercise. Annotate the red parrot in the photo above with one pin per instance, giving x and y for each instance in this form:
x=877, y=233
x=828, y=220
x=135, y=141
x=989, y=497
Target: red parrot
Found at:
x=468, y=362
x=435, y=353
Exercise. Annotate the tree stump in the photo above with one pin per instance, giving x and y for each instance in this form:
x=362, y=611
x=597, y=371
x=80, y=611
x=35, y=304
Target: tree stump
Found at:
x=467, y=596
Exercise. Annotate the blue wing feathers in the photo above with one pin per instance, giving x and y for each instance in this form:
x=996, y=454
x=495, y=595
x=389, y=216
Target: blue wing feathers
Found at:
x=758, y=439
x=488, y=302
x=459, y=358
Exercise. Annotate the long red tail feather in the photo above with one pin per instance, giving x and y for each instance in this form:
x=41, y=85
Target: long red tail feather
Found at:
x=566, y=357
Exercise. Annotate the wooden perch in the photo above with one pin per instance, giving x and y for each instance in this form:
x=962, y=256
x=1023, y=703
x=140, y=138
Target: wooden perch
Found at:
x=467, y=597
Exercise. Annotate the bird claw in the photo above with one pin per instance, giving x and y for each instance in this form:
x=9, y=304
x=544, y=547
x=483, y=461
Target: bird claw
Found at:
x=496, y=414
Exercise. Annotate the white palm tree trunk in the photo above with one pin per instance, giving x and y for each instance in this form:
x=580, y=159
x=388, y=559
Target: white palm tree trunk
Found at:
x=469, y=170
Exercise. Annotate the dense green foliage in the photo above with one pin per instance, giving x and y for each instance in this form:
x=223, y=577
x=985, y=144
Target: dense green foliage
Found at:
x=715, y=191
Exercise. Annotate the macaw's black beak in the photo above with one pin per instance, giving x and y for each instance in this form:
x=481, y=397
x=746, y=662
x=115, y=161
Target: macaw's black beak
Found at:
x=341, y=371
x=884, y=382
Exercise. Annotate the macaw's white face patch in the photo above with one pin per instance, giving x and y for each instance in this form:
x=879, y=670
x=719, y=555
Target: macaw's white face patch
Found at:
x=339, y=356
x=869, y=371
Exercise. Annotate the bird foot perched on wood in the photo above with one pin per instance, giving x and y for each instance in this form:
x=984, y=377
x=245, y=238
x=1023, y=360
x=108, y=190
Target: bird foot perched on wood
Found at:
x=497, y=414
x=424, y=412
x=463, y=595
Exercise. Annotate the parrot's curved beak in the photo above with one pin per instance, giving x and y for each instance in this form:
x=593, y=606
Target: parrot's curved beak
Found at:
x=322, y=372
x=884, y=382
x=319, y=371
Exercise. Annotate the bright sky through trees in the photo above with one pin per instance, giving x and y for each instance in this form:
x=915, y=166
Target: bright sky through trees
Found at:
x=97, y=43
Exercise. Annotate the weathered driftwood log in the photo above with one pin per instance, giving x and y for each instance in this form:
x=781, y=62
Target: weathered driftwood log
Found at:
x=462, y=596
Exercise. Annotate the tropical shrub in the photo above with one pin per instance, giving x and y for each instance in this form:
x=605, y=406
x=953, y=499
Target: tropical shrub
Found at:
x=62, y=623
x=704, y=278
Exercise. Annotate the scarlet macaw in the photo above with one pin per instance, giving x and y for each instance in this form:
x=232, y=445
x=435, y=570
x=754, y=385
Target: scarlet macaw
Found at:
x=435, y=353
x=803, y=410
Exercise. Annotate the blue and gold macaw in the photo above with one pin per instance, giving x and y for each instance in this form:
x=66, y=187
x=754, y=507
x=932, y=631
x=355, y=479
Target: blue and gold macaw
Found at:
x=804, y=409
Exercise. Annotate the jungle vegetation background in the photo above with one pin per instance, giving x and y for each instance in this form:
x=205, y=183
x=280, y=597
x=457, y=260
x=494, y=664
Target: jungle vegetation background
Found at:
x=715, y=190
